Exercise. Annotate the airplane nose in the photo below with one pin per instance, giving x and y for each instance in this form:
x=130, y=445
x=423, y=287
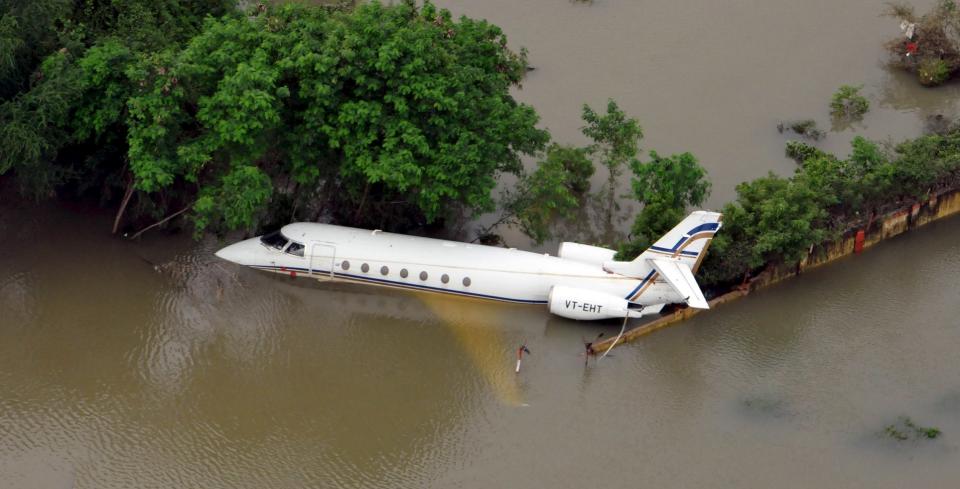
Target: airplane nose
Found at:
x=241, y=253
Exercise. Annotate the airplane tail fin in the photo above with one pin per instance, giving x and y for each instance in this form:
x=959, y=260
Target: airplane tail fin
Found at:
x=687, y=242
x=675, y=257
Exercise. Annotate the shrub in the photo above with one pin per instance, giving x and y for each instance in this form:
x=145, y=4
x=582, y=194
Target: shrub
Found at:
x=933, y=53
x=932, y=71
x=847, y=103
x=806, y=128
x=905, y=428
x=800, y=151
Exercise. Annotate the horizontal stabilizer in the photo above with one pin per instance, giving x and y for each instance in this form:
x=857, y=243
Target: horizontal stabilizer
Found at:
x=680, y=277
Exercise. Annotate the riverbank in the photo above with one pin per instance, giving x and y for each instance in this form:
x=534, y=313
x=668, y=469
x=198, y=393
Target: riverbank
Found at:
x=853, y=241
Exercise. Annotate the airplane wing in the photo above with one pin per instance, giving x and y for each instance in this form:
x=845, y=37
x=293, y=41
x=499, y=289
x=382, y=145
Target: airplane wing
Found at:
x=680, y=277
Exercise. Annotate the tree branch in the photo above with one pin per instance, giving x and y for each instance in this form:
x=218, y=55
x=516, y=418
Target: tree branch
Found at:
x=165, y=219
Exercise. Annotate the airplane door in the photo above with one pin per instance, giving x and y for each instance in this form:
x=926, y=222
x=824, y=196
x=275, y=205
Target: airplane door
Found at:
x=322, y=256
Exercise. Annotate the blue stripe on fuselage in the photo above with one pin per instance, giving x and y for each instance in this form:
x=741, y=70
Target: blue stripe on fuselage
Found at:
x=710, y=226
x=634, y=291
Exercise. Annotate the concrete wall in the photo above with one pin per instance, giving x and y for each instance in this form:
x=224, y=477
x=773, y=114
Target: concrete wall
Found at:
x=885, y=227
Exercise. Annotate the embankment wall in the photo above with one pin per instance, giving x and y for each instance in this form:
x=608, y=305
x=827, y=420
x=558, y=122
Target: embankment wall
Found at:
x=887, y=226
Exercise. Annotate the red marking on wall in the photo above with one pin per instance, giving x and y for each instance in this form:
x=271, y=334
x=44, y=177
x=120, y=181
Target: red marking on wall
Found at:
x=293, y=273
x=858, y=242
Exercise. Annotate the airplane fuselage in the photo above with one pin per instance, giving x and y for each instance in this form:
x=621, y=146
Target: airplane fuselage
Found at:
x=432, y=265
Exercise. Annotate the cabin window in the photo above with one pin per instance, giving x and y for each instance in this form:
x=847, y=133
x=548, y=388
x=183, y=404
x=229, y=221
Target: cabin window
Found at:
x=364, y=268
x=423, y=275
x=345, y=265
x=404, y=273
x=466, y=281
x=384, y=270
x=274, y=240
x=295, y=249
x=445, y=278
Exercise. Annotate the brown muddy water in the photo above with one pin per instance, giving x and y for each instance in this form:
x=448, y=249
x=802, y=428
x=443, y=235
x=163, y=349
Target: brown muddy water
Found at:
x=713, y=78
x=153, y=364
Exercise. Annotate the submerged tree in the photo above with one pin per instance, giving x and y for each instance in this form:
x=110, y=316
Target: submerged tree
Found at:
x=552, y=192
x=383, y=115
x=616, y=139
x=847, y=103
x=666, y=186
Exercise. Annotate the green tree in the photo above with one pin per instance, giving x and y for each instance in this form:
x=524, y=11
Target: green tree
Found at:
x=847, y=103
x=553, y=191
x=616, y=138
x=774, y=220
x=28, y=33
x=32, y=128
x=666, y=186
x=385, y=104
x=64, y=83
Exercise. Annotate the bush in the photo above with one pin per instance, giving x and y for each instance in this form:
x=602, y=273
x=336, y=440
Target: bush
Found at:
x=932, y=71
x=800, y=151
x=806, y=128
x=933, y=53
x=777, y=220
x=905, y=428
x=847, y=103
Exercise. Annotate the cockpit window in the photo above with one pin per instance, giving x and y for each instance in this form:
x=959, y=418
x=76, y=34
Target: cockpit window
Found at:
x=274, y=240
x=295, y=248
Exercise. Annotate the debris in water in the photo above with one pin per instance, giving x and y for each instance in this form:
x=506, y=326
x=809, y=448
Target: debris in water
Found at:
x=520, y=351
x=588, y=348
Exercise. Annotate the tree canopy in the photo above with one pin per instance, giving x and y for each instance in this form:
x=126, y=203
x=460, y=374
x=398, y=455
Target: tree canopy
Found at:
x=381, y=111
x=666, y=186
x=616, y=139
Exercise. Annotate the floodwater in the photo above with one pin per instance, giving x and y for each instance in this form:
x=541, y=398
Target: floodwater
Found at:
x=153, y=364
x=713, y=78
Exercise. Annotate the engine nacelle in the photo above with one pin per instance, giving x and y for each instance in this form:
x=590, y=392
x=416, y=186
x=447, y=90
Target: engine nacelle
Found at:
x=584, y=304
x=593, y=255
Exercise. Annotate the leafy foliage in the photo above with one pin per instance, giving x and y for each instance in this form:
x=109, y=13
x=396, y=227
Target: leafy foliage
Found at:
x=665, y=186
x=800, y=151
x=379, y=112
x=777, y=220
x=616, y=138
x=932, y=72
x=402, y=100
x=933, y=53
x=806, y=129
x=905, y=428
x=847, y=103
x=553, y=191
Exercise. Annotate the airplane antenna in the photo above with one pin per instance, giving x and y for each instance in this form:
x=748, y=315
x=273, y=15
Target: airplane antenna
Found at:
x=622, y=329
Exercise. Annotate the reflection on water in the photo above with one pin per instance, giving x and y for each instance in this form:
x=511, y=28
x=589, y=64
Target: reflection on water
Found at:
x=477, y=328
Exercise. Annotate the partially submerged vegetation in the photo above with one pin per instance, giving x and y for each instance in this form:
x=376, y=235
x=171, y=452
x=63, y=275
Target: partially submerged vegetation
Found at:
x=906, y=429
x=806, y=129
x=930, y=44
x=847, y=103
x=383, y=116
x=777, y=221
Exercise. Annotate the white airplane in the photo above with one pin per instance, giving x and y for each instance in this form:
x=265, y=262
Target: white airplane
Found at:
x=581, y=282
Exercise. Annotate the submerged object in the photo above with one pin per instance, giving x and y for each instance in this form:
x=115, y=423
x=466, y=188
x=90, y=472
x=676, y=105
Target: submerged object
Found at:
x=582, y=282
